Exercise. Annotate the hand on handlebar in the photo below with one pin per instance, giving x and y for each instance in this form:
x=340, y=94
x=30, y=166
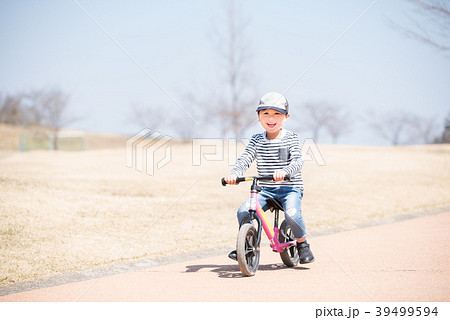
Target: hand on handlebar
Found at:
x=279, y=175
x=231, y=179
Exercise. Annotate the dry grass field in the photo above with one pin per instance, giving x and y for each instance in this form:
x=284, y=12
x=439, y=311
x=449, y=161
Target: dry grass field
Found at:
x=66, y=211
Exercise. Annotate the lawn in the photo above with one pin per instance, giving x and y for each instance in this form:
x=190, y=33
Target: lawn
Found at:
x=66, y=211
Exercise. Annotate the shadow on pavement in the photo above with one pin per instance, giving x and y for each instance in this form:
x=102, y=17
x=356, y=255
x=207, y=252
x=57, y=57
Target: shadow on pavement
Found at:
x=232, y=271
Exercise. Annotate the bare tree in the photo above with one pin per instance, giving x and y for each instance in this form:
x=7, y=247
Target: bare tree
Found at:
x=157, y=118
x=24, y=108
x=446, y=134
x=326, y=116
x=48, y=108
x=55, y=105
x=33, y=107
x=421, y=129
x=320, y=115
x=185, y=129
x=403, y=127
x=234, y=110
x=390, y=126
x=431, y=24
x=153, y=117
x=339, y=122
x=11, y=109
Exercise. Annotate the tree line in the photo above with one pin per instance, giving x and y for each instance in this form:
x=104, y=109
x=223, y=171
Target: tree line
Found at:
x=37, y=108
x=395, y=127
x=321, y=120
x=49, y=109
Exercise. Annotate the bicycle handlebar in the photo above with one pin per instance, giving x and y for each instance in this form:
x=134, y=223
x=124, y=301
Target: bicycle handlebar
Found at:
x=242, y=179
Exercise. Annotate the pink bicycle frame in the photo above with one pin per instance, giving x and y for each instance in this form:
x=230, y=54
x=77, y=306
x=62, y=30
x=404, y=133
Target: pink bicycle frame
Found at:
x=275, y=244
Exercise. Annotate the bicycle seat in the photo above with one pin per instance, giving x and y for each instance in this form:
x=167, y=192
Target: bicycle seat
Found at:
x=274, y=204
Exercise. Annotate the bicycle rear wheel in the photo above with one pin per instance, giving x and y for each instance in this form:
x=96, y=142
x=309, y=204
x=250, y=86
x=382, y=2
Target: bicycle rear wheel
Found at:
x=247, y=249
x=289, y=255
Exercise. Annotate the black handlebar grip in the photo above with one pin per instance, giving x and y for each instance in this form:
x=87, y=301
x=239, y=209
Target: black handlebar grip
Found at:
x=238, y=180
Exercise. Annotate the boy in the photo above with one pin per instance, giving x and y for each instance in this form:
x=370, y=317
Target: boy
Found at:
x=278, y=153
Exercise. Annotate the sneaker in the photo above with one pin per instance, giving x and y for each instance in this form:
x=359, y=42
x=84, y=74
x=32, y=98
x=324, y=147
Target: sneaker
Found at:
x=305, y=253
x=233, y=255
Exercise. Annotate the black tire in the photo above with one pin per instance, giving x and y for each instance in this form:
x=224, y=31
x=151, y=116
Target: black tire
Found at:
x=247, y=249
x=289, y=255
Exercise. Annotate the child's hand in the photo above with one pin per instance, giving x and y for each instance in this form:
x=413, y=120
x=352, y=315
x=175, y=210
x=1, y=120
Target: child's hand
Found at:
x=231, y=179
x=279, y=175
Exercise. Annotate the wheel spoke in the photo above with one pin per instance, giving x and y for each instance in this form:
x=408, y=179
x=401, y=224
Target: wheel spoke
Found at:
x=292, y=251
x=250, y=240
x=250, y=252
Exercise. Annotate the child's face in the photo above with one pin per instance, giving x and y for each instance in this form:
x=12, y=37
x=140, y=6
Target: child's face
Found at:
x=272, y=120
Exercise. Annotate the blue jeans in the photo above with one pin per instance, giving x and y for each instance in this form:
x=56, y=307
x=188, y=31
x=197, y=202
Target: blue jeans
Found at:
x=290, y=198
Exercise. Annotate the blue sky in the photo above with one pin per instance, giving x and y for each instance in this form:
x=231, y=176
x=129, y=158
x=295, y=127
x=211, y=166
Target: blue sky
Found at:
x=48, y=44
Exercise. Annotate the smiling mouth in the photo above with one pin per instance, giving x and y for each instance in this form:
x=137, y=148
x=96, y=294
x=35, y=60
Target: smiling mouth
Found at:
x=271, y=125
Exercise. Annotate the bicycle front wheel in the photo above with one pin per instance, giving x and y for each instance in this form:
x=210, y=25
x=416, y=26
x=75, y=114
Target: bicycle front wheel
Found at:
x=247, y=249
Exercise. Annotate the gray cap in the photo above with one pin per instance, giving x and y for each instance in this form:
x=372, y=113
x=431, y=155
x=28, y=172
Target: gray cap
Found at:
x=275, y=101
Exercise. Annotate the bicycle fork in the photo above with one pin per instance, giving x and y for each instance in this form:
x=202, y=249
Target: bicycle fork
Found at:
x=253, y=215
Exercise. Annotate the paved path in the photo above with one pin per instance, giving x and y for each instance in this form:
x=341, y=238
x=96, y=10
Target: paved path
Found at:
x=402, y=261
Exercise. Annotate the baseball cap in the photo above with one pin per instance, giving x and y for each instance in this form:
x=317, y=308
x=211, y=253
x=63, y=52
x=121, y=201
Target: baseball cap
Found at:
x=275, y=101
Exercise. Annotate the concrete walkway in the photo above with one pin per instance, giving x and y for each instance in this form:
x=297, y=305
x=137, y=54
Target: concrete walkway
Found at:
x=402, y=261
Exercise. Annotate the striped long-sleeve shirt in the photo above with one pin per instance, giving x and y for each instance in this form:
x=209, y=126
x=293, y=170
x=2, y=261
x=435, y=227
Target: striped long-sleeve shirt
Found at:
x=282, y=153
